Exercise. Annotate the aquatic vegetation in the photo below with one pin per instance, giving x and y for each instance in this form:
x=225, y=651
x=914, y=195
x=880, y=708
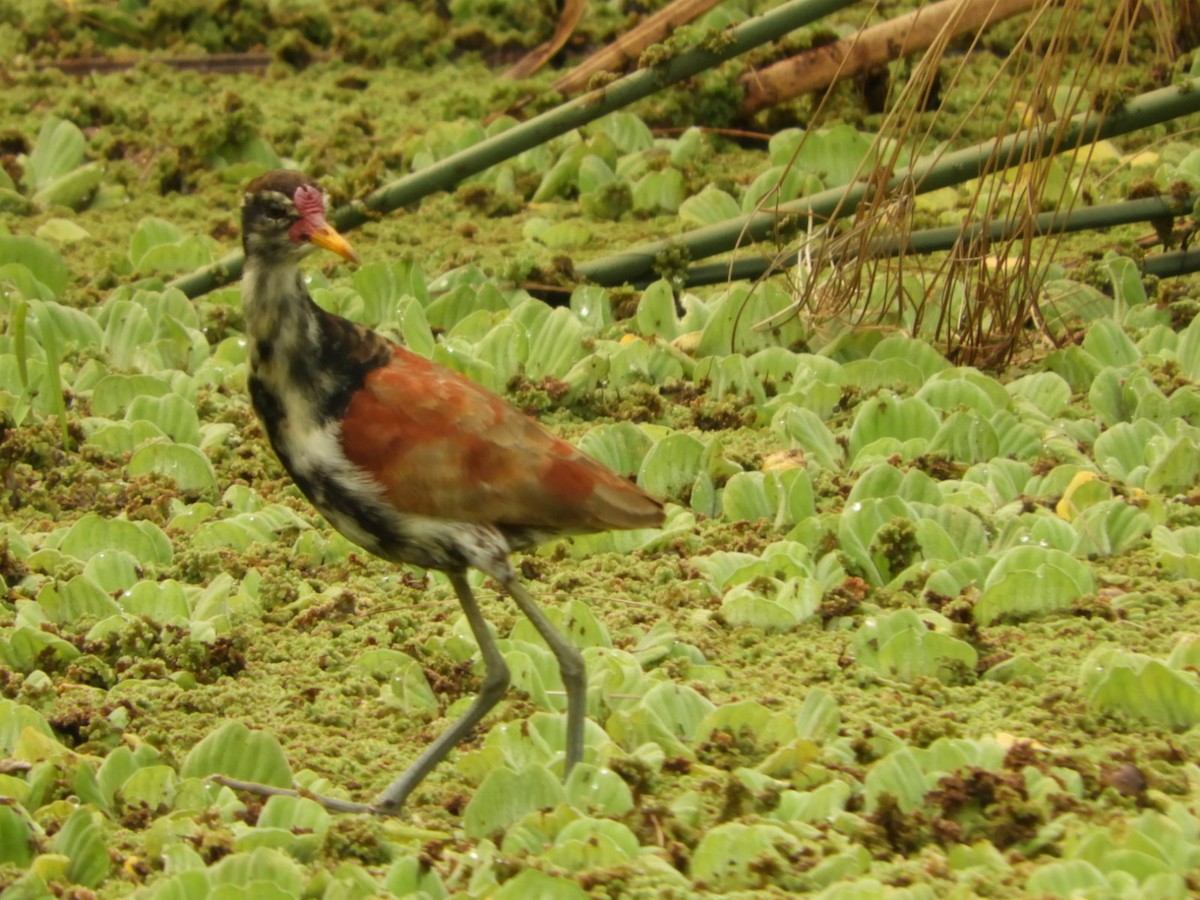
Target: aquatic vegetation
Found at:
x=911, y=627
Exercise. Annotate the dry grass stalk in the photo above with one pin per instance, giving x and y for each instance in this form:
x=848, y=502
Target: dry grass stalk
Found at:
x=980, y=302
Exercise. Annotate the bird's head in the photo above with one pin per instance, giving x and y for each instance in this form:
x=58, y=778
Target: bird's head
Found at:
x=283, y=218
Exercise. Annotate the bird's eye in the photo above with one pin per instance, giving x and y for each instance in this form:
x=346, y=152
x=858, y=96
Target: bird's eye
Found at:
x=277, y=213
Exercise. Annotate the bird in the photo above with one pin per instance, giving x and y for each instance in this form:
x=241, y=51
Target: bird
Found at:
x=410, y=460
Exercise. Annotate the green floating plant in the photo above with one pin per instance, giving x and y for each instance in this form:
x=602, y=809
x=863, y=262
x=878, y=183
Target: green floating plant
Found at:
x=155, y=332
x=94, y=533
x=598, y=790
x=1124, y=875
x=950, y=389
x=1156, y=851
x=506, y=796
x=119, y=766
x=151, y=787
x=821, y=804
x=602, y=195
x=783, y=498
x=535, y=883
x=657, y=315
x=79, y=599
x=1110, y=528
x=815, y=384
x=835, y=154
x=660, y=191
x=1129, y=394
x=161, y=247
x=1177, y=550
x=115, y=393
x=819, y=718
x=804, y=430
x=751, y=725
x=28, y=647
x=15, y=718
x=1127, y=286
x=296, y=825
x=534, y=672
x=1175, y=466
x=672, y=467
x=187, y=466
x=745, y=320
x=877, y=538
x=711, y=206
x=776, y=185
x=383, y=285
x=555, y=339
x=1187, y=350
x=241, y=530
x=1040, y=528
x=772, y=604
x=537, y=741
x=621, y=447
x=887, y=424
x=411, y=876
x=617, y=369
x=1029, y=581
x=55, y=173
x=402, y=680
x=627, y=132
x=82, y=840
x=730, y=375
x=18, y=836
x=667, y=715
x=1018, y=440
x=175, y=415
x=900, y=776
x=966, y=438
x=730, y=856
x=1117, y=681
x=1124, y=451
x=236, y=751
x=593, y=844
x=907, y=646
x=32, y=267
x=1043, y=393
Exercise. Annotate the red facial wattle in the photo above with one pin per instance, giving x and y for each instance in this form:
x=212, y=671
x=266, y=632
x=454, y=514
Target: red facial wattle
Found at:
x=312, y=227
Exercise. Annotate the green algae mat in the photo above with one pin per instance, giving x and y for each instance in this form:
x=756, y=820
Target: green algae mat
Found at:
x=911, y=629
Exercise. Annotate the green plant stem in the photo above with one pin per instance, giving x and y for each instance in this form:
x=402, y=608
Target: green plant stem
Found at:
x=933, y=240
x=587, y=108
x=1155, y=107
x=1167, y=265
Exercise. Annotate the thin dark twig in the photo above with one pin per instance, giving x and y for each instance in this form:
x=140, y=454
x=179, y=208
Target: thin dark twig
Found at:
x=333, y=804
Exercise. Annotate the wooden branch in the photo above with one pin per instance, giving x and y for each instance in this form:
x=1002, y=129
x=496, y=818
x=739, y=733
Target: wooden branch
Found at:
x=333, y=804
x=540, y=55
x=629, y=47
x=820, y=67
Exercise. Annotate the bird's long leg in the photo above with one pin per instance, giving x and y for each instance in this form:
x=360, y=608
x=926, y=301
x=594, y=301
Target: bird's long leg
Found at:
x=495, y=683
x=570, y=664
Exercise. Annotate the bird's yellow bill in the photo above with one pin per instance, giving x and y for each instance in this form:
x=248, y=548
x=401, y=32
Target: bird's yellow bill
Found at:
x=327, y=237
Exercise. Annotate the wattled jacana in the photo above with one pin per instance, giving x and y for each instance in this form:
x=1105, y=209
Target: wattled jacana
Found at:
x=408, y=459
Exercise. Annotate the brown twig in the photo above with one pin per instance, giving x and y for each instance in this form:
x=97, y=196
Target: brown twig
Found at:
x=540, y=55
x=333, y=804
x=629, y=47
x=822, y=66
